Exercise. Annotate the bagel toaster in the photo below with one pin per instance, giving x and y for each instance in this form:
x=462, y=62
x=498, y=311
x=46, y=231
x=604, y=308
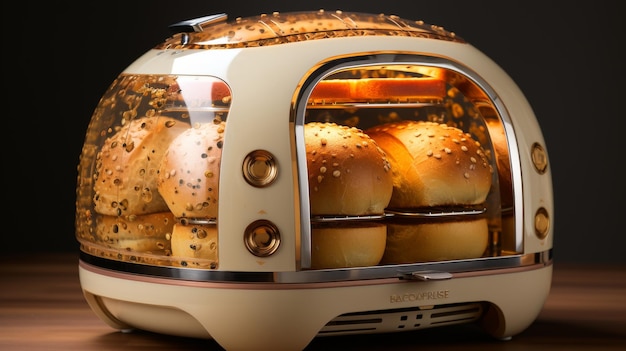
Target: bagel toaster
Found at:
x=268, y=180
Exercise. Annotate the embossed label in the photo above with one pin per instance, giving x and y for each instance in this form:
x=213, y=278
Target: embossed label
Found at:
x=420, y=296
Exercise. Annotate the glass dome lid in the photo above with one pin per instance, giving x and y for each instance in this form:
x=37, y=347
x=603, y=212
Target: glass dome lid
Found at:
x=216, y=31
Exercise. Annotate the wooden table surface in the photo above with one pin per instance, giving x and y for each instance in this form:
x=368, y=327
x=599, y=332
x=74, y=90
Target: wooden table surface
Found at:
x=42, y=308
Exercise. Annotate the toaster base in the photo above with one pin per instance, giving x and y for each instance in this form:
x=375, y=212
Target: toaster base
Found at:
x=241, y=316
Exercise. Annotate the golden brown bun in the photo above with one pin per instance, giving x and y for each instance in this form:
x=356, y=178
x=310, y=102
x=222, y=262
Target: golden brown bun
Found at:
x=348, y=173
x=347, y=245
x=435, y=241
x=189, y=171
x=127, y=166
x=145, y=233
x=498, y=140
x=507, y=239
x=433, y=164
x=195, y=241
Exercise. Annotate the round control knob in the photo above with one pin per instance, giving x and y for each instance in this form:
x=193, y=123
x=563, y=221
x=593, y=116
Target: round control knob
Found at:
x=259, y=168
x=262, y=238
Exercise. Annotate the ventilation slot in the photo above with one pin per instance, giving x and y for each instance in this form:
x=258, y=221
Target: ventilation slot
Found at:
x=386, y=321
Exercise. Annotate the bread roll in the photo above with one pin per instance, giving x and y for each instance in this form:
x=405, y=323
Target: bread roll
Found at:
x=348, y=173
x=127, y=166
x=433, y=164
x=343, y=245
x=412, y=241
x=144, y=233
x=189, y=171
x=194, y=241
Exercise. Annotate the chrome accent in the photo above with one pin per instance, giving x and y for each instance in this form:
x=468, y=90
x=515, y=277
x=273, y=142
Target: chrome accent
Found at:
x=184, y=38
x=426, y=275
x=259, y=168
x=333, y=65
x=262, y=238
x=487, y=265
x=431, y=213
x=196, y=24
x=391, y=213
x=187, y=220
x=319, y=219
x=542, y=223
x=540, y=158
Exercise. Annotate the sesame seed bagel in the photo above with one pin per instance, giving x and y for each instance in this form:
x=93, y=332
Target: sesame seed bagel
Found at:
x=127, y=165
x=433, y=164
x=348, y=173
x=189, y=171
x=145, y=233
x=194, y=241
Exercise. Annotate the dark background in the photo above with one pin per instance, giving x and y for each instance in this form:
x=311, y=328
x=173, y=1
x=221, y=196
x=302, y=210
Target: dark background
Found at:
x=567, y=59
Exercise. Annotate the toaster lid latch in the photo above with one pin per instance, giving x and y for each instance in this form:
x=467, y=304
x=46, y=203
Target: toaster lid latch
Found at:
x=196, y=24
x=425, y=275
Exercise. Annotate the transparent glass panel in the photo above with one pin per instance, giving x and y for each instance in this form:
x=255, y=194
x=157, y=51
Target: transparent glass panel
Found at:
x=406, y=163
x=149, y=171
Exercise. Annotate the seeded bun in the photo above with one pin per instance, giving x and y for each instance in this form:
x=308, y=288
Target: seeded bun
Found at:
x=189, y=171
x=347, y=245
x=127, y=166
x=194, y=241
x=433, y=164
x=412, y=242
x=348, y=173
x=144, y=233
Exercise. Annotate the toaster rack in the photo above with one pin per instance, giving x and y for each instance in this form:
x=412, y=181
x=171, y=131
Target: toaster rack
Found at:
x=397, y=213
